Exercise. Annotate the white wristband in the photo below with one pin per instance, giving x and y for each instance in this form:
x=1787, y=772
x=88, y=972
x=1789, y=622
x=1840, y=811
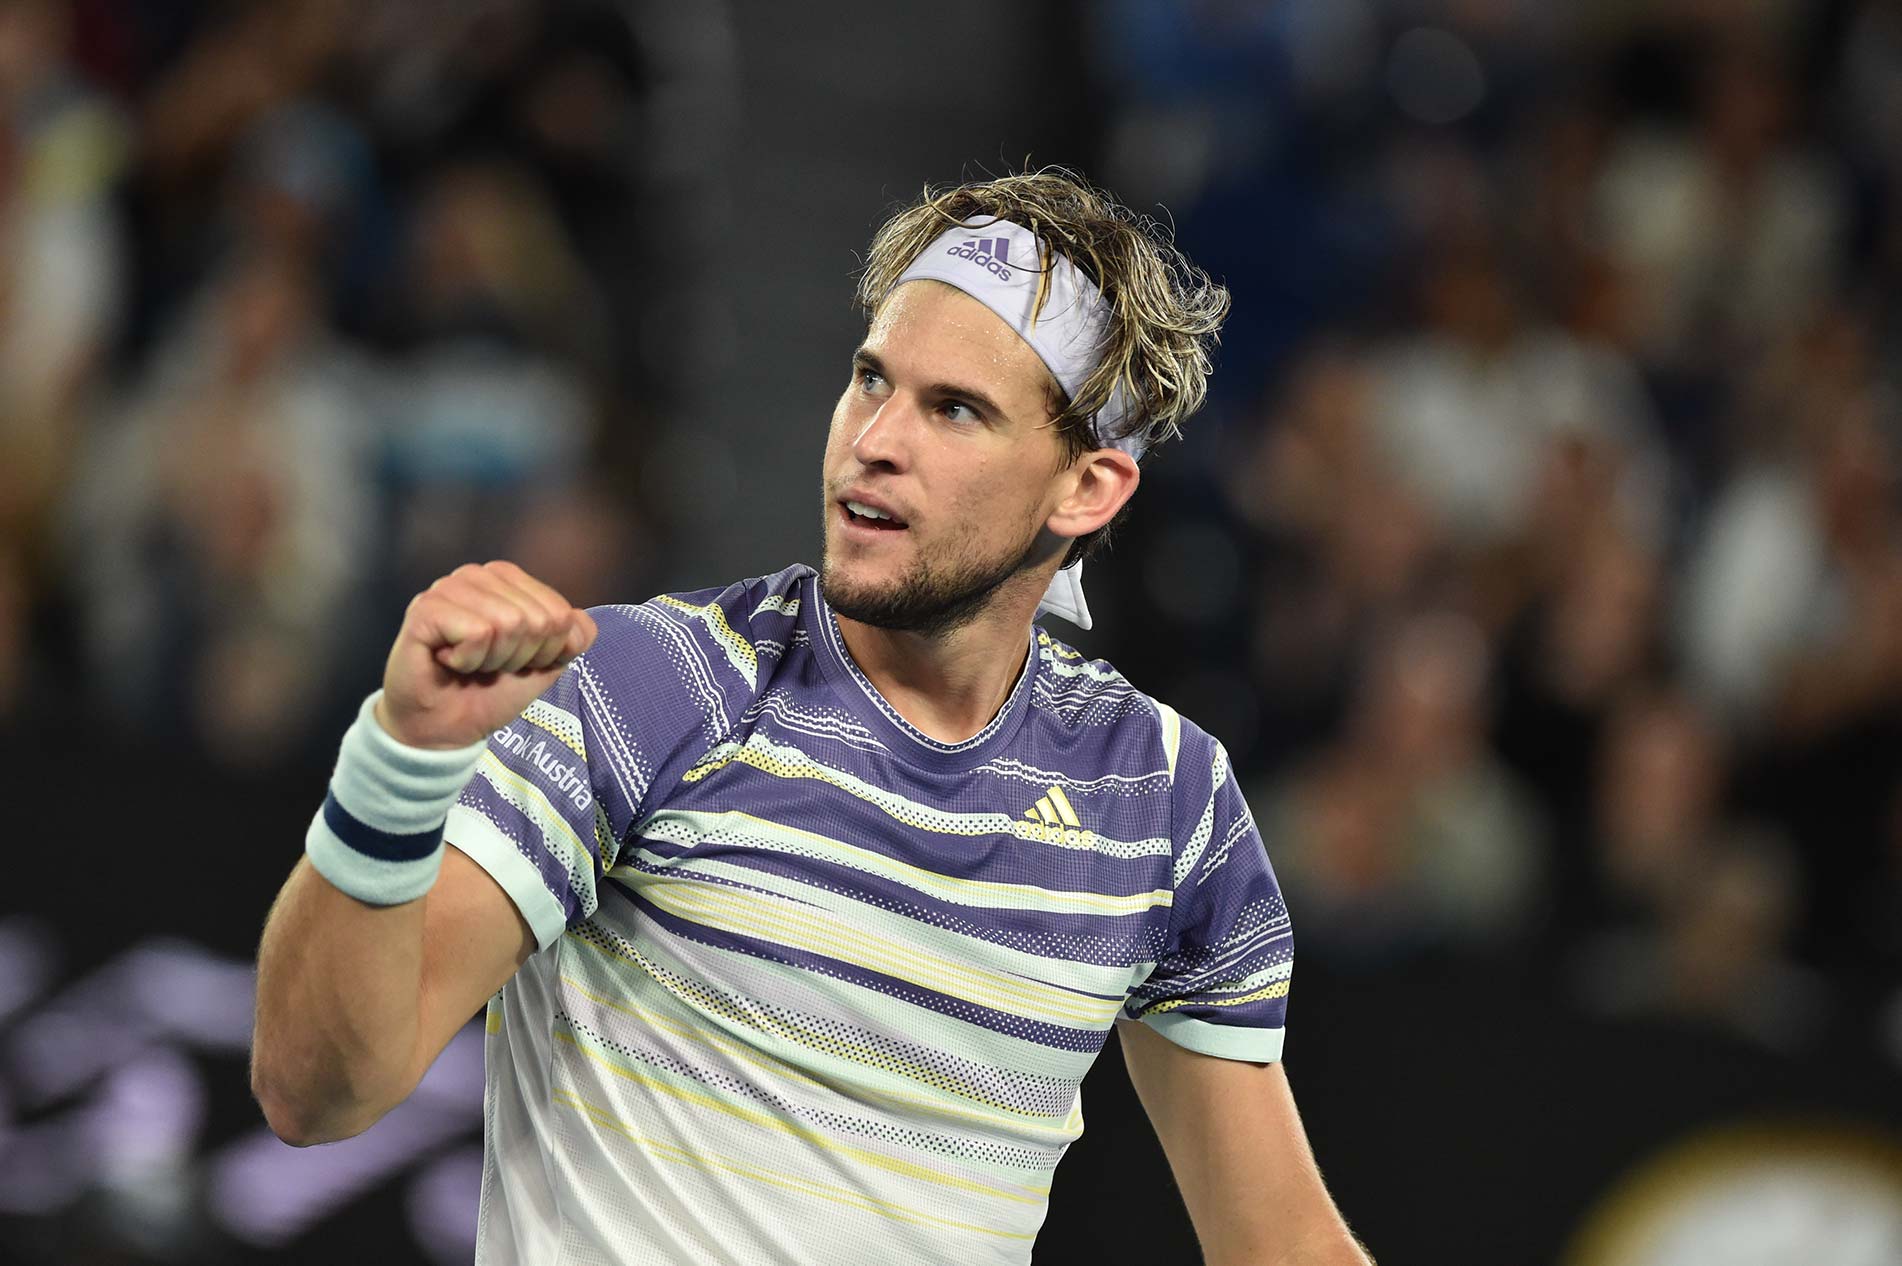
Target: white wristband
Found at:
x=378, y=836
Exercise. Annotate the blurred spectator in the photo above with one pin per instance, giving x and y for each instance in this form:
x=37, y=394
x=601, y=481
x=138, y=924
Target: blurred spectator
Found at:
x=1731, y=231
x=214, y=162
x=487, y=409
x=1408, y=837
x=1724, y=954
x=1587, y=639
x=222, y=542
x=565, y=92
x=244, y=62
x=1342, y=542
x=303, y=185
x=1469, y=409
x=1660, y=786
x=1793, y=593
x=1696, y=913
x=61, y=281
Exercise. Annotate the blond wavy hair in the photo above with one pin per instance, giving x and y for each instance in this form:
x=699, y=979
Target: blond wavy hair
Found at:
x=1165, y=314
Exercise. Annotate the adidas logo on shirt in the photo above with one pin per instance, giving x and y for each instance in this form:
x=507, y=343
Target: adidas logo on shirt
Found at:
x=1054, y=819
x=1052, y=809
x=989, y=253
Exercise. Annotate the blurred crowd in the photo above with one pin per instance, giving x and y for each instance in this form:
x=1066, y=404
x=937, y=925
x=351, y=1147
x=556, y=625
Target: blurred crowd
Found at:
x=301, y=304
x=1545, y=569
x=1538, y=557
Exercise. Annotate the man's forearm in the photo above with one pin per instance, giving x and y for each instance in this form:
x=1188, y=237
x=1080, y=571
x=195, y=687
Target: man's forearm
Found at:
x=338, y=1010
x=1337, y=1248
x=385, y=940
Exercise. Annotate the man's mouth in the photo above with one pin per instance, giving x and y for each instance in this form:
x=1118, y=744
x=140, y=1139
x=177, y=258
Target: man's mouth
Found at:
x=859, y=514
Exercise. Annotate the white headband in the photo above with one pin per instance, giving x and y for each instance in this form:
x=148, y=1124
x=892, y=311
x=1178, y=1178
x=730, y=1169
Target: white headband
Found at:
x=999, y=266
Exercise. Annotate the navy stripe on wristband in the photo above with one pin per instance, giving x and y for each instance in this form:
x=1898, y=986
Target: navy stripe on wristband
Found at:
x=366, y=839
x=372, y=880
x=382, y=845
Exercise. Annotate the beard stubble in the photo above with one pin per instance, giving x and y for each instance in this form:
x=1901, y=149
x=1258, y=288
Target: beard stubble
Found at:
x=929, y=598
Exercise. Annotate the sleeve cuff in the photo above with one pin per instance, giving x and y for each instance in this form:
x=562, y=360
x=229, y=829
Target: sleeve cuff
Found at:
x=469, y=832
x=1224, y=1041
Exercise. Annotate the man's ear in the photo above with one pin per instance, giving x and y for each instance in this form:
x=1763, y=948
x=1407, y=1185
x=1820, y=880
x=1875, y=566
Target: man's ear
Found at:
x=1099, y=483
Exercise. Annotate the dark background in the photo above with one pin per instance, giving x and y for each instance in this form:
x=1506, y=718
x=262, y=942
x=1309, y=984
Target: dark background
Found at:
x=1537, y=556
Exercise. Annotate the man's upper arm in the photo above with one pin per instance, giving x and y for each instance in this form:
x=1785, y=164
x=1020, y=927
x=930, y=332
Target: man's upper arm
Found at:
x=474, y=940
x=1202, y=1032
x=1239, y=1154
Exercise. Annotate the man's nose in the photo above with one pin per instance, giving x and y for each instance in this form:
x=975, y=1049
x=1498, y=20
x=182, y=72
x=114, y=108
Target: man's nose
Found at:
x=884, y=439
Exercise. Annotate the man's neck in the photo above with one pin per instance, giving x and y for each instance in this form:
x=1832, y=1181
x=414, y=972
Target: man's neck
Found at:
x=949, y=685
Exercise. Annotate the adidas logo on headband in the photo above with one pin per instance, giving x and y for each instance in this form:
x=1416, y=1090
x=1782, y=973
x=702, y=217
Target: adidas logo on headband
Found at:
x=989, y=253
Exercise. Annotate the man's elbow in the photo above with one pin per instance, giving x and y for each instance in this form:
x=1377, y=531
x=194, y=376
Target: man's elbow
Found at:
x=298, y=1123
x=291, y=1128
x=303, y=1117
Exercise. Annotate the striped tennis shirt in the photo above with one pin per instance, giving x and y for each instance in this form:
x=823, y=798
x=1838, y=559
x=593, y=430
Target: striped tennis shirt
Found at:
x=813, y=987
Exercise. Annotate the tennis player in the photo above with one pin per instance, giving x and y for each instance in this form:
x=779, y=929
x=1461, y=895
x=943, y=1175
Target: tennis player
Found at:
x=802, y=906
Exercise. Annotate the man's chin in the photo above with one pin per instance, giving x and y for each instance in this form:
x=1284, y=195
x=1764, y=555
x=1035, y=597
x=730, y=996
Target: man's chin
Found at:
x=862, y=598
x=915, y=603
x=854, y=584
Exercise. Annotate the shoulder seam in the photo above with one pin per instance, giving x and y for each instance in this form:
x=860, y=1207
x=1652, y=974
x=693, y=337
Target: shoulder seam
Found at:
x=1171, y=734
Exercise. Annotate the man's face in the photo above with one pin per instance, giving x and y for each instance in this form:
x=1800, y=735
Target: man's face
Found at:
x=945, y=427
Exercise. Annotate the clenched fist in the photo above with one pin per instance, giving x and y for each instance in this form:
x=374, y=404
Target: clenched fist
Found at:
x=476, y=648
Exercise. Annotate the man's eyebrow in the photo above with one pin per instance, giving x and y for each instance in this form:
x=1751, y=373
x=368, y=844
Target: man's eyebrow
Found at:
x=864, y=358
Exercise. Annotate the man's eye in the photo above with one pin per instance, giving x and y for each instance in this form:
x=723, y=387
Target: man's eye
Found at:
x=869, y=380
x=958, y=411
